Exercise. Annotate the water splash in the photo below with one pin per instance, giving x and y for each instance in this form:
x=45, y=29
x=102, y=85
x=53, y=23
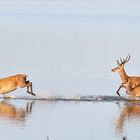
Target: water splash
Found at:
x=98, y=98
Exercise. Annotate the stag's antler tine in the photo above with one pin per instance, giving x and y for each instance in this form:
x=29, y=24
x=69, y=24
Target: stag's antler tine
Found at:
x=127, y=58
x=121, y=60
x=124, y=60
x=118, y=62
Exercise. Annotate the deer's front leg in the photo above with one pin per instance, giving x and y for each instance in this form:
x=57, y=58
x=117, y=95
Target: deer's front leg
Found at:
x=29, y=85
x=119, y=90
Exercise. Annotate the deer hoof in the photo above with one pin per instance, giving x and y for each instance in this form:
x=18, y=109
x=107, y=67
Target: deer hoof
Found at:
x=33, y=94
x=30, y=93
x=118, y=93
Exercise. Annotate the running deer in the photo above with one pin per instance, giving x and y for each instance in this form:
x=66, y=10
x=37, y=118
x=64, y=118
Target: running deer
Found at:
x=11, y=83
x=133, y=80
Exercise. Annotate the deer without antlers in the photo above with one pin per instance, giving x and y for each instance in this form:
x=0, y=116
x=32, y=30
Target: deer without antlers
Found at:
x=11, y=83
x=134, y=81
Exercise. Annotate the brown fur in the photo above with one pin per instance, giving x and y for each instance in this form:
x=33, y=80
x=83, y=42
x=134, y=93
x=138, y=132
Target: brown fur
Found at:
x=11, y=83
x=135, y=92
x=134, y=81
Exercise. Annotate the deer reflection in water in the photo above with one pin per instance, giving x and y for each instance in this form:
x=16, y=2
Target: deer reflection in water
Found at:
x=131, y=111
x=14, y=114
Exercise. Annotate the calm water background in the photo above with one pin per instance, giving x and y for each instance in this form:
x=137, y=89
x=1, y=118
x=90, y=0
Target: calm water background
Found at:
x=68, y=47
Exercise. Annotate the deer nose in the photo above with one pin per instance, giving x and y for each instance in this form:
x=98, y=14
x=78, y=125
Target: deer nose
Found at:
x=113, y=70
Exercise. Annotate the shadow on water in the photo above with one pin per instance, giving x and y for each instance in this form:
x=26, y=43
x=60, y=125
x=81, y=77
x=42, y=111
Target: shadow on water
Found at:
x=14, y=114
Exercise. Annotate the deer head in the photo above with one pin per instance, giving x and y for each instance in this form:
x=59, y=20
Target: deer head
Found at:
x=121, y=64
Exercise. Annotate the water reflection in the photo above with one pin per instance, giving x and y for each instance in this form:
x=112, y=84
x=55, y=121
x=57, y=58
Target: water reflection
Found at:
x=14, y=114
x=130, y=111
x=124, y=138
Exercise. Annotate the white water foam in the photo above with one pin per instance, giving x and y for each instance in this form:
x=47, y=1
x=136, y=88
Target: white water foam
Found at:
x=77, y=98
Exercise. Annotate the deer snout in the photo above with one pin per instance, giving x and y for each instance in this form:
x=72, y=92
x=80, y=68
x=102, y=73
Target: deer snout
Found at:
x=113, y=70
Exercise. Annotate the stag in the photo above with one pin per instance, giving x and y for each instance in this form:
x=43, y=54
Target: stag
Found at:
x=134, y=81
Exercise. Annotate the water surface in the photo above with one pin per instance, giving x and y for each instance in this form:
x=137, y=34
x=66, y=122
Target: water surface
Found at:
x=68, y=47
x=69, y=120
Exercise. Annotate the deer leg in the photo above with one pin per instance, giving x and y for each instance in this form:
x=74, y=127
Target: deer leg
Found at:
x=119, y=90
x=29, y=86
x=128, y=92
x=29, y=107
x=4, y=96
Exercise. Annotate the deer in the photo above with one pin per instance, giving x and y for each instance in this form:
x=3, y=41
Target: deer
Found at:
x=134, y=81
x=11, y=83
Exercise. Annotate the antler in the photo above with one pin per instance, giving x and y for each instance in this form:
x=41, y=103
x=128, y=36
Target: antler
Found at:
x=124, y=60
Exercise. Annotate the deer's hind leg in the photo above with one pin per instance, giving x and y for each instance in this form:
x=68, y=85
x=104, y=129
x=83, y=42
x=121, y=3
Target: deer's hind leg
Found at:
x=5, y=93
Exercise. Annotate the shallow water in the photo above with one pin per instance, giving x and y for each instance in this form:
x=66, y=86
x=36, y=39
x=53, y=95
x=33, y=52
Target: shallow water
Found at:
x=60, y=120
x=68, y=48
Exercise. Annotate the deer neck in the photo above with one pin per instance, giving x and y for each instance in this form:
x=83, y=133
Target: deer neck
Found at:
x=124, y=76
